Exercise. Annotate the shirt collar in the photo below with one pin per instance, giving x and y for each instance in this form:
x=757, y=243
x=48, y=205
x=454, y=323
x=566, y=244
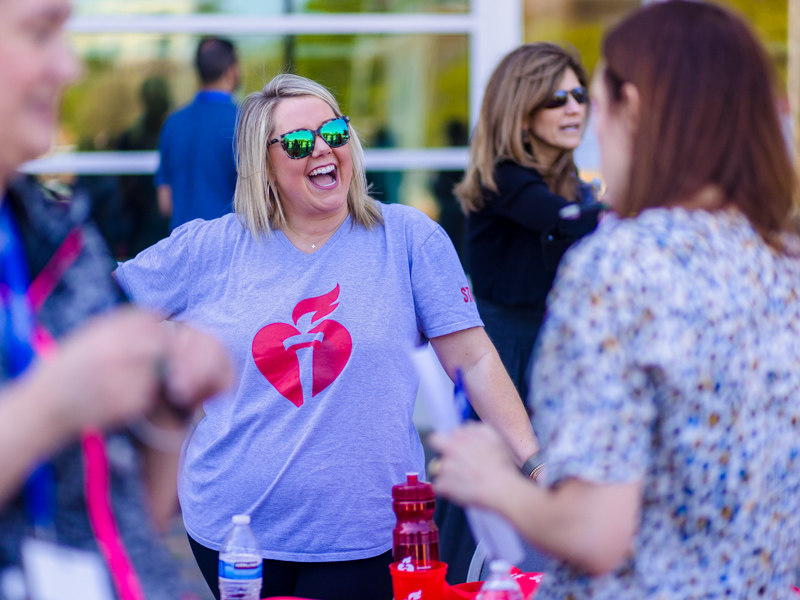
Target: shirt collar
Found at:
x=213, y=96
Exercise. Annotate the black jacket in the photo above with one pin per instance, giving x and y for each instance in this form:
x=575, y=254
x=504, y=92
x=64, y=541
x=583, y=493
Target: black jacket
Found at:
x=504, y=240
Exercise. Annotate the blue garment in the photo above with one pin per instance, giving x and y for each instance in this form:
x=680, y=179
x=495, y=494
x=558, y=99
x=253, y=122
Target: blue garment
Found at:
x=197, y=158
x=14, y=281
x=317, y=430
x=18, y=353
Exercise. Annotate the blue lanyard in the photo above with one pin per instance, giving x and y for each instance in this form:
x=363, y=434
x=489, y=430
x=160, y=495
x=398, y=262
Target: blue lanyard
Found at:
x=14, y=280
x=18, y=354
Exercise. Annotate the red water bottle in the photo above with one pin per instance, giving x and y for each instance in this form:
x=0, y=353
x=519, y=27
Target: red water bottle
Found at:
x=416, y=537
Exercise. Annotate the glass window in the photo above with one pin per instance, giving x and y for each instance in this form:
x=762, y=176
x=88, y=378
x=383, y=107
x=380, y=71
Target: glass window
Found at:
x=582, y=23
x=267, y=7
x=400, y=91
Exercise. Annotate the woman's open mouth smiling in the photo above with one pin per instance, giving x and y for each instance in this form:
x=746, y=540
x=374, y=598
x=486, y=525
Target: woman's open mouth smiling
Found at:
x=324, y=177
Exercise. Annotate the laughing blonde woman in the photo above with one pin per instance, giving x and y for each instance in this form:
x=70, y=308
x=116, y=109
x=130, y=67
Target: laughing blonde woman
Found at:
x=319, y=292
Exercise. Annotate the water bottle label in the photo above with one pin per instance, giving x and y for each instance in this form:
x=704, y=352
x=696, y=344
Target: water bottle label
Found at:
x=245, y=568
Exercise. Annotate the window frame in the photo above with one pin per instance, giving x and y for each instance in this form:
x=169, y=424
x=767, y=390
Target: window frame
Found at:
x=493, y=29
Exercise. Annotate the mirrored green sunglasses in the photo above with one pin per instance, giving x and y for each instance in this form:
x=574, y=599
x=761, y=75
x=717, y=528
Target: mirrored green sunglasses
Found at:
x=300, y=142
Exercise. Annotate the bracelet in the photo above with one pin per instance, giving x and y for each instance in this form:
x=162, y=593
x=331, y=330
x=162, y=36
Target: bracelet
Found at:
x=532, y=467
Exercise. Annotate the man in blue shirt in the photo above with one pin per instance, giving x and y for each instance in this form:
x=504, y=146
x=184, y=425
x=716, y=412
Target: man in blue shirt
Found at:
x=197, y=174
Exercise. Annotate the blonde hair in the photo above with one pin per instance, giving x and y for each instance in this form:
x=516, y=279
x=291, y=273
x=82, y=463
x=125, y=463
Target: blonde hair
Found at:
x=256, y=200
x=521, y=85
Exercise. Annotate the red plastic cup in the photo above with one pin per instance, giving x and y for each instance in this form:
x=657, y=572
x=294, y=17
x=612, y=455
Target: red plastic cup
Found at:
x=419, y=585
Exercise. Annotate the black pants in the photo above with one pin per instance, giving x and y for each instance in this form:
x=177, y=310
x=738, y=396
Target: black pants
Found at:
x=366, y=579
x=513, y=331
x=456, y=544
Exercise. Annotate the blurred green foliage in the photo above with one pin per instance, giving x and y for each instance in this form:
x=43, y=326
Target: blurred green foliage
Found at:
x=360, y=70
x=377, y=6
x=582, y=24
x=364, y=73
x=770, y=20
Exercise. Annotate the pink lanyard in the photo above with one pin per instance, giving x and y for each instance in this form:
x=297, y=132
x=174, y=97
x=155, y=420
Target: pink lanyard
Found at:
x=101, y=516
x=97, y=484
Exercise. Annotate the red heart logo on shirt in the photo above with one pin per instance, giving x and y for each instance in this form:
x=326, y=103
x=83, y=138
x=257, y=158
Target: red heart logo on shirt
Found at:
x=275, y=348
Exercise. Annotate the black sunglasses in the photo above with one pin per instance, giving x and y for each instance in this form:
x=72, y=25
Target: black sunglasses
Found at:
x=300, y=142
x=559, y=99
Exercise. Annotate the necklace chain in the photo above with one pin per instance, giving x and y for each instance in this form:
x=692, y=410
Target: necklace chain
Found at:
x=320, y=240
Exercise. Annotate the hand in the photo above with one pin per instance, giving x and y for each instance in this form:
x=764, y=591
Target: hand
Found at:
x=474, y=466
x=102, y=374
x=106, y=373
x=196, y=367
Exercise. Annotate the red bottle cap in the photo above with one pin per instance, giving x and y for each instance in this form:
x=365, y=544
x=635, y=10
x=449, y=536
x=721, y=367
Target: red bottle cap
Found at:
x=412, y=490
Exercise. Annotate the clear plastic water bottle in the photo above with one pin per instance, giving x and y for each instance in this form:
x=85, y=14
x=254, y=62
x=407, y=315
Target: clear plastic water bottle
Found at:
x=240, y=566
x=500, y=585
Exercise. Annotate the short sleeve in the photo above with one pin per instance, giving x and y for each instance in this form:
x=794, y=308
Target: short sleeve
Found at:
x=160, y=277
x=592, y=401
x=442, y=297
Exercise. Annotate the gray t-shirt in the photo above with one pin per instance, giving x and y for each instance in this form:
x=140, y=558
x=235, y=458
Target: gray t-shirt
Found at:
x=318, y=427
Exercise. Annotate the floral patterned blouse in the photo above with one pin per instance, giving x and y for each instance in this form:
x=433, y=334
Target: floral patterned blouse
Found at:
x=670, y=355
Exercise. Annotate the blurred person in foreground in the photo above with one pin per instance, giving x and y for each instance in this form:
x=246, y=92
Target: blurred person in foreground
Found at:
x=92, y=372
x=666, y=387
x=196, y=176
x=521, y=174
x=320, y=293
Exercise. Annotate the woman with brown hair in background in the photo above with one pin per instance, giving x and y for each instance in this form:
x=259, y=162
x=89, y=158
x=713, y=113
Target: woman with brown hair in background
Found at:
x=666, y=387
x=521, y=174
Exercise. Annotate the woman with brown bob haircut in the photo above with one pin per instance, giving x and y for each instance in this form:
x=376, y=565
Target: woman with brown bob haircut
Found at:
x=666, y=387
